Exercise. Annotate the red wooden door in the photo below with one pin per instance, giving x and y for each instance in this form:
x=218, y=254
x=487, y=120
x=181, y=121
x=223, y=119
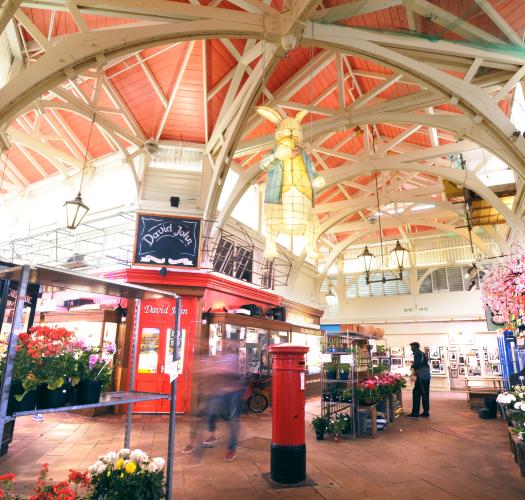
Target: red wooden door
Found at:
x=155, y=353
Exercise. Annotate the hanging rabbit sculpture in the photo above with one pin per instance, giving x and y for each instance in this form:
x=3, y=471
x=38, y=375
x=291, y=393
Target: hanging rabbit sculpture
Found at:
x=289, y=197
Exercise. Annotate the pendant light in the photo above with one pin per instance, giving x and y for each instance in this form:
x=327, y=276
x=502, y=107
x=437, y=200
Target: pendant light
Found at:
x=331, y=298
x=76, y=209
x=399, y=252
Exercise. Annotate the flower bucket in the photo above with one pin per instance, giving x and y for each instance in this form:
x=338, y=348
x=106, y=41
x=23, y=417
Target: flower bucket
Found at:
x=55, y=398
x=28, y=402
x=319, y=436
x=343, y=375
x=331, y=375
x=88, y=392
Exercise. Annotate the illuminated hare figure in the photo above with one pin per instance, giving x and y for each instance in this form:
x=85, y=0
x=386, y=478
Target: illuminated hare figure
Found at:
x=289, y=198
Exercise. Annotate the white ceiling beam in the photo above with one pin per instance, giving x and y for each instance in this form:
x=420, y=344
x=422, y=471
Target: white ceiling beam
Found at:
x=449, y=21
x=255, y=6
x=175, y=88
x=9, y=7
x=77, y=17
x=357, y=8
x=471, y=73
x=396, y=140
x=374, y=92
x=518, y=76
x=35, y=33
x=432, y=131
x=500, y=22
x=149, y=75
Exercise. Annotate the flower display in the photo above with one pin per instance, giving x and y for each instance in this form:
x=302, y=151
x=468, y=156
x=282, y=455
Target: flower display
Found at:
x=514, y=404
x=96, y=364
x=503, y=286
x=127, y=474
x=372, y=390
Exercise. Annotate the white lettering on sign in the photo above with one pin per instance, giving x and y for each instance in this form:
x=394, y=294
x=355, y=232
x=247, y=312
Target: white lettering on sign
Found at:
x=164, y=310
x=302, y=381
x=162, y=230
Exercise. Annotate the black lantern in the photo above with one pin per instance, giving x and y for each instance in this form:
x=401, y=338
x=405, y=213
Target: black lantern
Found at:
x=400, y=254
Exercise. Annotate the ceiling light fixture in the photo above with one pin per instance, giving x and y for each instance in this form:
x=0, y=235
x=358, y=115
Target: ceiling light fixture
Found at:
x=76, y=209
x=400, y=253
x=331, y=298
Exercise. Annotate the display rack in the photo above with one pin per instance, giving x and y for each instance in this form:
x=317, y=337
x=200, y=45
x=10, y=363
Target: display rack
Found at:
x=18, y=280
x=329, y=406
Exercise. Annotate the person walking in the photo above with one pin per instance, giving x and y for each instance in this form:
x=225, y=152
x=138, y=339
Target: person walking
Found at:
x=421, y=377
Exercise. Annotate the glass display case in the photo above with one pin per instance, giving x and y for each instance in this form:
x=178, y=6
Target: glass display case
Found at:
x=250, y=337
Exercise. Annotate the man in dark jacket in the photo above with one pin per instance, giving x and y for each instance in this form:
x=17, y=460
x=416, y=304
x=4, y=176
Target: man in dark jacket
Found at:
x=421, y=389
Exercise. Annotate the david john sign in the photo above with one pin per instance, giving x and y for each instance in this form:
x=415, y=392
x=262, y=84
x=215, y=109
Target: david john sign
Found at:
x=167, y=241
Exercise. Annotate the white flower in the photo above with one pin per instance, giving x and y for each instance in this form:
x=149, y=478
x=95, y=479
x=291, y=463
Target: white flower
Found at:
x=124, y=453
x=159, y=462
x=152, y=468
x=92, y=469
x=138, y=456
x=111, y=457
x=505, y=398
x=102, y=457
x=101, y=468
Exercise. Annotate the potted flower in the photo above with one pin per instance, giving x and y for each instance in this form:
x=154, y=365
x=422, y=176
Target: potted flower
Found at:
x=330, y=370
x=130, y=475
x=95, y=372
x=319, y=424
x=336, y=427
x=54, y=364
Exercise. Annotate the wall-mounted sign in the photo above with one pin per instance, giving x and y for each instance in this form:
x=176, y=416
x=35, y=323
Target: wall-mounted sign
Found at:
x=167, y=241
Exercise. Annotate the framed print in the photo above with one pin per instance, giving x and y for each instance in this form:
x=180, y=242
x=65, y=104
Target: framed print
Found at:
x=396, y=362
x=461, y=370
x=433, y=352
x=453, y=365
x=452, y=356
x=435, y=366
x=461, y=359
x=453, y=373
x=396, y=351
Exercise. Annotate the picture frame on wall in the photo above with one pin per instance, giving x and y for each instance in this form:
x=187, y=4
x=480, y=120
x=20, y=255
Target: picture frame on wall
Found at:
x=453, y=365
x=453, y=373
x=396, y=351
x=461, y=359
x=452, y=356
x=461, y=370
x=435, y=366
x=433, y=352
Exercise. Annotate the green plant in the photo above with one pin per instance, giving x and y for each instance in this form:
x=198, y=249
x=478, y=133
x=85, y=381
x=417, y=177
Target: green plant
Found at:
x=319, y=424
x=337, y=426
x=344, y=368
x=330, y=367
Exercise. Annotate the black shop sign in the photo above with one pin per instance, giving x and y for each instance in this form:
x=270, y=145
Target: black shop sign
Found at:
x=162, y=240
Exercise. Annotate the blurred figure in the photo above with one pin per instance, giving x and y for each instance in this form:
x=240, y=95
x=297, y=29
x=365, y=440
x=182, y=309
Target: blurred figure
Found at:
x=220, y=388
x=421, y=374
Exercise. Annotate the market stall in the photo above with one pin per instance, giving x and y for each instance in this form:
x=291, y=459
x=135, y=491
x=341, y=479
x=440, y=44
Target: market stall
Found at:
x=15, y=283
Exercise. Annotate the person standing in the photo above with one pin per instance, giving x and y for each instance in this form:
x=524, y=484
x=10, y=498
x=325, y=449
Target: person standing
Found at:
x=421, y=391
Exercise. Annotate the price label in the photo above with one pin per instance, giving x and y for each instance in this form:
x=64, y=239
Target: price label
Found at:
x=347, y=358
x=326, y=357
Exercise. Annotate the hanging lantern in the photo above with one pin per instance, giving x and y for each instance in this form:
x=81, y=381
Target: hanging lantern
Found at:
x=331, y=298
x=400, y=254
x=366, y=259
x=76, y=210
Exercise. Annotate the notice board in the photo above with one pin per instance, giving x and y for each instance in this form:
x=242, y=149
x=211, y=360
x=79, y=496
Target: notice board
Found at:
x=167, y=240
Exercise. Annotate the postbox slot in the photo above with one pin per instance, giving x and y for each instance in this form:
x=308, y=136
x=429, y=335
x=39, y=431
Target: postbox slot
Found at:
x=302, y=363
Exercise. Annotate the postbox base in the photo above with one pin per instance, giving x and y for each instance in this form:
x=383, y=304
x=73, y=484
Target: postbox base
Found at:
x=288, y=464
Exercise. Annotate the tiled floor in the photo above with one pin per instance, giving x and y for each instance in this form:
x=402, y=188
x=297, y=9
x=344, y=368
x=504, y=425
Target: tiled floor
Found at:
x=452, y=455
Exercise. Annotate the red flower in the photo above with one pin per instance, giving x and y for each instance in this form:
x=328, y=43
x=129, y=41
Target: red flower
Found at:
x=7, y=477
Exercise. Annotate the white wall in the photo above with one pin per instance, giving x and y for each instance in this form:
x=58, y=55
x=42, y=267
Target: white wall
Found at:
x=413, y=308
x=108, y=185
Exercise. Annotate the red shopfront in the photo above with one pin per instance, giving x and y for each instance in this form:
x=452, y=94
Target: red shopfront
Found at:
x=200, y=292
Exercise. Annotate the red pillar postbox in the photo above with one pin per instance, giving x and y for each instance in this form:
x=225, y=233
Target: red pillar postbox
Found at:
x=288, y=455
